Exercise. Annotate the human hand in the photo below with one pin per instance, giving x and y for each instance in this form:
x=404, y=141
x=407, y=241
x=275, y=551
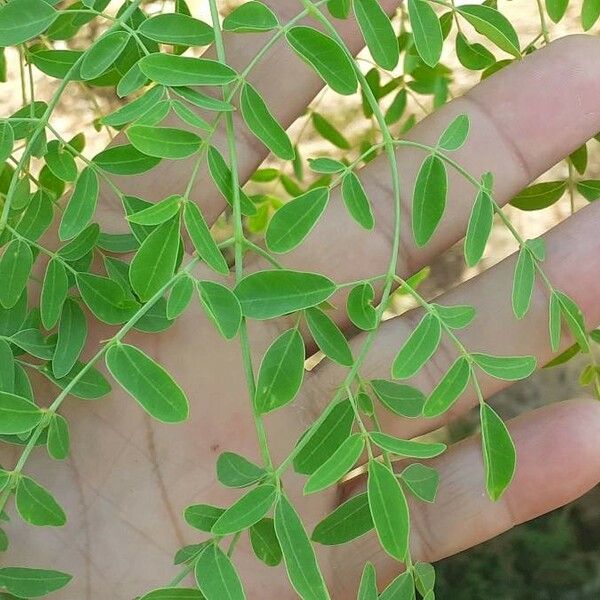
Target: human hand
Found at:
x=128, y=479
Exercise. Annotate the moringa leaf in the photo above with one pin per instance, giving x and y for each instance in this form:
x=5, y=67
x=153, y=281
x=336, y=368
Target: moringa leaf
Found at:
x=32, y=583
x=523, y=283
x=422, y=481
x=148, y=383
x=17, y=414
x=177, y=29
x=455, y=135
x=378, y=33
x=82, y=205
x=403, y=400
x=281, y=372
x=203, y=242
x=406, y=448
x=360, y=308
x=449, y=389
x=265, y=543
x=429, y=198
x=54, y=293
x=36, y=505
x=328, y=337
x=493, y=25
x=250, y=17
x=427, y=32
x=508, y=368
x=58, y=437
x=368, y=583
x=347, y=522
x=326, y=56
x=222, y=307
x=22, y=20
x=236, y=471
x=72, y=335
x=420, y=346
x=163, y=142
x=103, y=53
x=15, y=267
x=479, y=228
x=216, y=576
x=356, y=201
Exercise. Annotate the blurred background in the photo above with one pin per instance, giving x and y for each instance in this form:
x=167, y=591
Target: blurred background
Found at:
x=555, y=557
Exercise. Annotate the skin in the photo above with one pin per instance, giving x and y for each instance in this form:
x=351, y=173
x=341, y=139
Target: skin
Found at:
x=128, y=479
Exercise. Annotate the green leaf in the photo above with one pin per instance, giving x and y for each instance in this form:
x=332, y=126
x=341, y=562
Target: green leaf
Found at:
x=202, y=516
x=106, y=298
x=479, y=228
x=590, y=11
x=422, y=343
x=158, y=213
x=91, y=385
x=154, y=263
x=36, y=505
x=180, y=297
x=58, y=437
x=455, y=317
x=171, y=593
x=499, y=452
x=263, y=125
x=36, y=217
x=427, y=32
x=347, y=522
x=72, y=334
x=99, y=57
x=15, y=267
x=493, y=25
x=216, y=576
x=22, y=20
x=540, y=195
x=235, y=471
x=147, y=382
x=269, y=294
x=406, y=448
x=222, y=307
x=397, y=107
x=326, y=165
x=389, y=510
x=177, y=29
x=337, y=465
x=327, y=437
x=81, y=245
x=250, y=17
x=298, y=554
x=7, y=367
x=556, y=9
x=356, y=201
x=60, y=161
x=172, y=70
x=574, y=319
x=202, y=240
x=82, y=205
x=265, y=543
x=247, y=511
x=221, y=175
x=455, y=135
x=328, y=337
x=589, y=189
x=292, y=223
x=508, y=368
x=329, y=132
x=368, y=584
x=429, y=198
x=326, y=56
x=473, y=56
x=7, y=139
x=135, y=109
x=523, y=283
x=119, y=243
x=17, y=414
x=34, y=343
x=360, y=308
x=403, y=400
x=163, y=142
x=449, y=389
x=401, y=588
x=554, y=322
x=281, y=372
x=32, y=583
x=378, y=32
x=340, y=9
x=125, y=160
x=422, y=481
x=202, y=100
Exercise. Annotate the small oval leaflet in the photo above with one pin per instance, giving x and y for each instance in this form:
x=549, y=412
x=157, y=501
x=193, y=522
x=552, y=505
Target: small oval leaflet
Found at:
x=499, y=452
x=58, y=438
x=36, y=505
x=174, y=594
x=54, y=293
x=177, y=29
x=216, y=576
x=163, y=142
x=449, y=389
x=418, y=348
x=406, y=448
x=389, y=510
x=403, y=400
x=347, y=522
x=356, y=201
x=367, y=589
x=281, y=372
x=222, y=307
x=247, y=511
x=378, y=32
x=236, y=471
x=81, y=206
x=479, y=228
x=523, y=283
x=269, y=294
x=72, y=334
x=202, y=239
x=326, y=56
x=250, y=17
x=148, y=383
x=360, y=308
x=157, y=213
x=32, y=583
x=298, y=554
x=508, y=368
x=15, y=267
x=426, y=31
x=455, y=135
x=22, y=20
x=422, y=481
x=202, y=516
x=172, y=70
x=103, y=54
x=265, y=543
x=263, y=124
x=17, y=414
x=295, y=220
x=328, y=337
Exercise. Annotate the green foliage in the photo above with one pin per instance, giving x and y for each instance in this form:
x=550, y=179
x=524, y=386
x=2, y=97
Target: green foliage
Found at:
x=66, y=224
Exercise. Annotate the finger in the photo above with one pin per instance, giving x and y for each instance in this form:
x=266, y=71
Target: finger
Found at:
x=558, y=460
x=572, y=267
x=286, y=84
x=518, y=131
